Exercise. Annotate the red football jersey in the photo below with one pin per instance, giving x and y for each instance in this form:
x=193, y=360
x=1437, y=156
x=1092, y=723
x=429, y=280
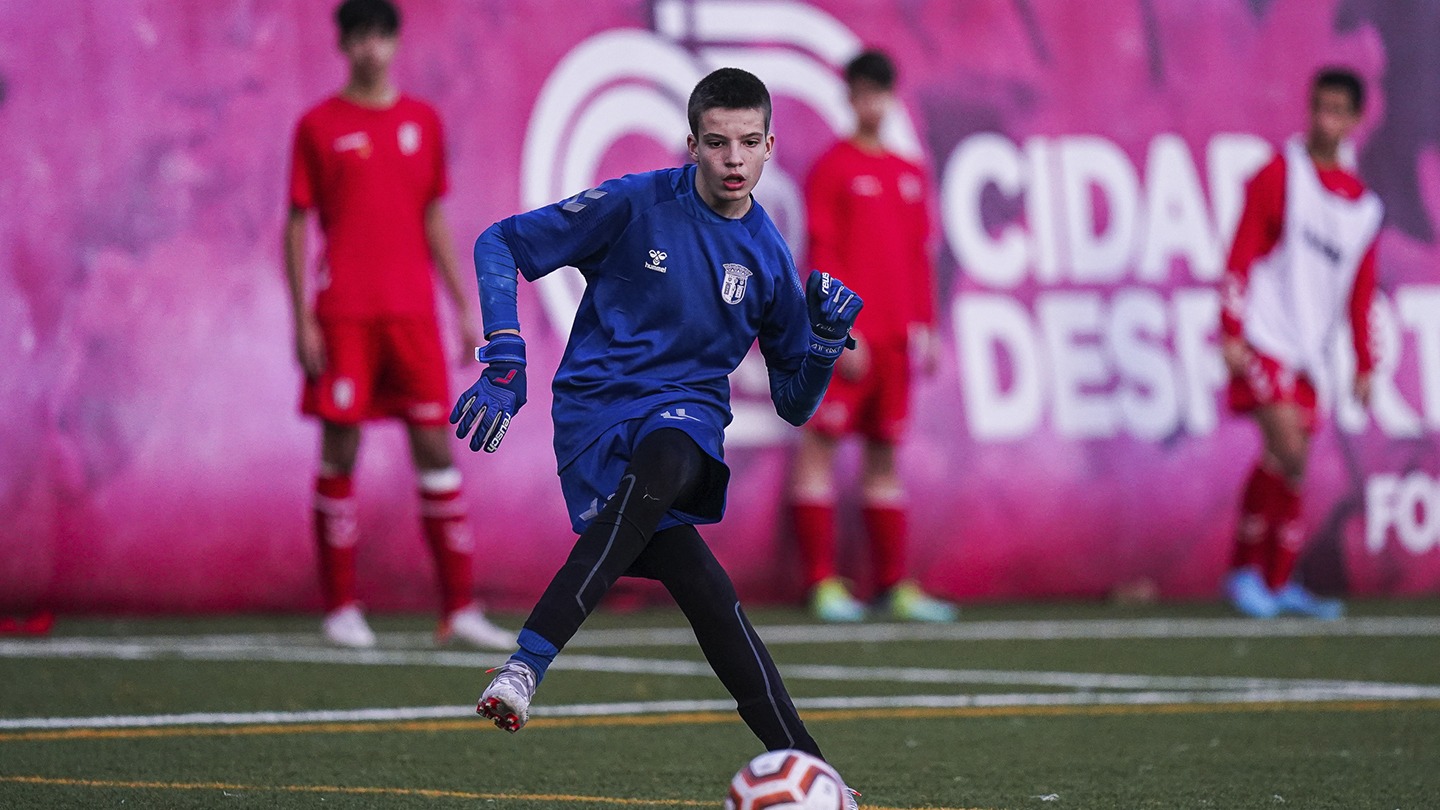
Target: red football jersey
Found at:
x=1258, y=232
x=870, y=227
x=370, y=174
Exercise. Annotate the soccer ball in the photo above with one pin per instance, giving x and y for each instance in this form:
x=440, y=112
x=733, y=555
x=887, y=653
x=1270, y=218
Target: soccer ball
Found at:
x=786, y=780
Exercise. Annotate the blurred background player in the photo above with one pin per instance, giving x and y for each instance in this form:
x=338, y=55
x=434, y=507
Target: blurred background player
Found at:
x=683, y=271
x=1304, y=255
x=371, y=162
x=868, y=223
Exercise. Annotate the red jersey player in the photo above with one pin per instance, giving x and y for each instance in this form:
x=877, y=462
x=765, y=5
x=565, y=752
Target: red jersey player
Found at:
x=867, y=219
x=370, y=161
x=1304, y=255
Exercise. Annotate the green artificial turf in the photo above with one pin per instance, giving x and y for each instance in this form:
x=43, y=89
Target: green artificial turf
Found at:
x=1357, y=752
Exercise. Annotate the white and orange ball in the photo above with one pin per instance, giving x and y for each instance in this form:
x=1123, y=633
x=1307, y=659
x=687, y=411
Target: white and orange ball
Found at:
x=786, y=780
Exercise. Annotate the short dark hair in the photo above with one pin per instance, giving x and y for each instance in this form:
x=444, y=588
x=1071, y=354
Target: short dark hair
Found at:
x=366, y=16
x=1341, y=78
x=874, y=66
x=728, y=89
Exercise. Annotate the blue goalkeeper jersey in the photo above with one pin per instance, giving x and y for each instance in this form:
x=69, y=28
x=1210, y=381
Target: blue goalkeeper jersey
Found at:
x=675, y=295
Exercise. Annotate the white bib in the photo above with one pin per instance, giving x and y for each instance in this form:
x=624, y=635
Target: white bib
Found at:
x=1299, y=292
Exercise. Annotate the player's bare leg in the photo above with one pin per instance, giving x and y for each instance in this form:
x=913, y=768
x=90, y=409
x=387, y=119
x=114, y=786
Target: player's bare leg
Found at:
x=812, y=495
x=884, y=512
x=452, y=543
x=335, y=533
x=339, y=446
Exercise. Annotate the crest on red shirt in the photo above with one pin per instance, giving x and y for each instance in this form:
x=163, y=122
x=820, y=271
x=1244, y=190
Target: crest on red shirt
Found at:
x=409, y=137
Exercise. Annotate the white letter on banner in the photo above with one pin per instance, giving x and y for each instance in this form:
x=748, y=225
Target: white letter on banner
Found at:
x=1040, y=208
x=978, y=162
x=1202, y=373
x=1064, y=319
x=1420, y=311
x=1394, y=416
x=1088, y=162
x=1379, y=509
x=1417, y=513
x=1177, y=221
x=985, y=327
x=1146, y=395
x=1232, y=158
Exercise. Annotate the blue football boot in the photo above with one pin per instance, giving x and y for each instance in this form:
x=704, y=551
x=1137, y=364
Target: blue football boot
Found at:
x=1297, y=599
x=1248, y=593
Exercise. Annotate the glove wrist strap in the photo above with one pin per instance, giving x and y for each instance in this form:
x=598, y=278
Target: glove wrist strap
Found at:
x=502, y=349
x=826, y=348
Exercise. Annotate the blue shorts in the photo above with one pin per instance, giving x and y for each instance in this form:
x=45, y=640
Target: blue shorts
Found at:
x=590, y=480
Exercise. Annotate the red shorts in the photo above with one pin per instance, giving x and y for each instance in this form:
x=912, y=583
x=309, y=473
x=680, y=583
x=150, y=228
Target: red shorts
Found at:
x=1266, y=382
x=875, y=406
x=384, y=367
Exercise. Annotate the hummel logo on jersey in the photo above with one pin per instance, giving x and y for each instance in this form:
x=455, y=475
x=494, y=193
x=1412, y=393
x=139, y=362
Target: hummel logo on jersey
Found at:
x=866, y=185
x=732, y=289
x=1321, y=246
x=679, y=414
x=657, y=261
x=578, y=204
x=357, y=142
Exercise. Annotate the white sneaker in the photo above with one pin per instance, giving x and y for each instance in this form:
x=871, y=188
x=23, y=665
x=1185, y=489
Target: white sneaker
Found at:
x=507, y=699
x=469, y=625
x=346, y=627
x=852, y=798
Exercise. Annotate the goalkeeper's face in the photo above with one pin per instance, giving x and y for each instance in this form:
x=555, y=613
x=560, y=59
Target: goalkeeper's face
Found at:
x=730, y=151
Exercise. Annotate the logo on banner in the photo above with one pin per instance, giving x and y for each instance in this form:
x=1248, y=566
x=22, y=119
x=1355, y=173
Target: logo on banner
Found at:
x=732, y=289
x=624, y=85
x=1406, y=507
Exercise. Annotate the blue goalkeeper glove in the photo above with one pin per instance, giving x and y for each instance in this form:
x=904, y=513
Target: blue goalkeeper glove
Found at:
x=833, y=308
x=496, y=397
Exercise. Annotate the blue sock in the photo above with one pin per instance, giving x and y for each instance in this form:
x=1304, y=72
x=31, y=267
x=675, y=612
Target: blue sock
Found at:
x=535, y=652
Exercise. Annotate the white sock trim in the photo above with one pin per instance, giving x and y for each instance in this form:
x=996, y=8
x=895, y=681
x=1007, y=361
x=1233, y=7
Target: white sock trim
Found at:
x=445, y=480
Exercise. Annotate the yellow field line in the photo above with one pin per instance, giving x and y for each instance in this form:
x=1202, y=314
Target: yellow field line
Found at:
x=429, y=793
x=706, y=718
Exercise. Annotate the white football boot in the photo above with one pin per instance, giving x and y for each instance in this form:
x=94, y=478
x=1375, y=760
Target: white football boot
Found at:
x=507, y=699
x=346, y=627
x=468, y=625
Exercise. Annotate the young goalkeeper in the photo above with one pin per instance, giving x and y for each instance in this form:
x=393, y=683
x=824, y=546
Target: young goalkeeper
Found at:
x=684, y=271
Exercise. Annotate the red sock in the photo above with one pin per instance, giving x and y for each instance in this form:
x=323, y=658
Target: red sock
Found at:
x=1289, y=535
x=335, y=535
x=1254, y=528
x=885, y=525
x=815, y=533
x=448, y=532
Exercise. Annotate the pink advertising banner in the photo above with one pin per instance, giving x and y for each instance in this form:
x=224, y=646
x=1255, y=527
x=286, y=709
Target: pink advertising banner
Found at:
x=1088, y=161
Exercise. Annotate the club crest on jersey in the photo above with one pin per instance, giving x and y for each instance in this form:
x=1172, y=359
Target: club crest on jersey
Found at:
x=737, y=278
x=657, y=261
x=409, y=137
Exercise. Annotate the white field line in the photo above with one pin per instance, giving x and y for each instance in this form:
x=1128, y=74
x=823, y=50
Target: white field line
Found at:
x=1019, y=700
x=214, y=651
x=1079, y=629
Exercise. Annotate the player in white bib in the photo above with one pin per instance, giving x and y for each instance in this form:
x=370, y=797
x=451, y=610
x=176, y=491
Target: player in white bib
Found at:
x=1301, y=266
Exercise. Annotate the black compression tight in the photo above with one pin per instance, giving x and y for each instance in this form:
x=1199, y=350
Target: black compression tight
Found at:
x=668, y=466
